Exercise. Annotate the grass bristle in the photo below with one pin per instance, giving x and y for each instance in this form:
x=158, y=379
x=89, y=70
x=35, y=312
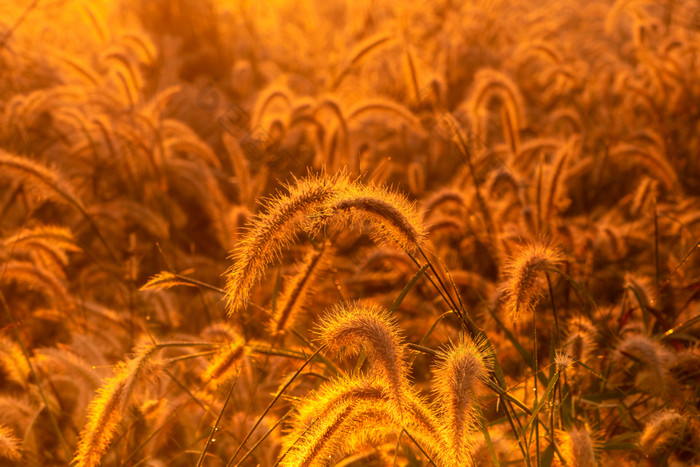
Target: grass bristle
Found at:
x=525, y=271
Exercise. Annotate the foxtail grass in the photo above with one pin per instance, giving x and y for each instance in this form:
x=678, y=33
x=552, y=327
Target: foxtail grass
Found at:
x=49, y=182
x=277, y=227
x=108, y=408
x=461, y=371
x=314, y=204
x=523, y=288
x=353, y=328
x=333, y=435
x=578, y=447
x=389, y=218
x=640, y=357
x=223, y=367
x=10, y=445
x=662, y=433
x=327, y=422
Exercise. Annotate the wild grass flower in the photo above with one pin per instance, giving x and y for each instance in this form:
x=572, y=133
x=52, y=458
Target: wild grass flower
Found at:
x=663, y=431
x=578, y=447
x=355, y=327
x=459, y=374
x=10, y=445
x=271, y=231
x=525, y=285
x=387, y=215
x=109, y=407
x=640, y=358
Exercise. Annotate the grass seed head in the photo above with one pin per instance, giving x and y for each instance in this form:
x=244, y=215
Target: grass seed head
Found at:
x=9, y=445
x=640, y=357
x=525, y=286
x=663, y=431
x=459, y=373
x=355, y=327
x=107, y=409
x=273, y=230
x=578, y=447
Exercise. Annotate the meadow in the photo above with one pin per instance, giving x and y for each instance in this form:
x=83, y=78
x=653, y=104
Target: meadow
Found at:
x=353, y=233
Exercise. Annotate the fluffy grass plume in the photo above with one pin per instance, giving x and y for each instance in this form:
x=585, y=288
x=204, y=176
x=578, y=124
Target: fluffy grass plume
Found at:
x=459, y=373
x=36, y=278
x=9, y=445
x=355, y=327
x=642, y=358
x=663, y=431
x=372, y=391
x=351, y=424
x=44, y=181
x=106, y=410
x=164, y=280
x=336, y=393
x=321, y=409
x=577, y=447
x=387, y=215
x=58, y=236
x=12, y=362
x=273, y=230
x=312, y=204
x=222, y=367
x=525, y=285
x=580, y=338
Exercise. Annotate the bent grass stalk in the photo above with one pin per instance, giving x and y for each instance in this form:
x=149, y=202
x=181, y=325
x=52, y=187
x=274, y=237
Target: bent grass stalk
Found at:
x=272, y=402
x=273, y=230
x=313, y=204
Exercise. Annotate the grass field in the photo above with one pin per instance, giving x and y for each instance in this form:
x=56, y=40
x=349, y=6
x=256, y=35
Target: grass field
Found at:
x=351, y=233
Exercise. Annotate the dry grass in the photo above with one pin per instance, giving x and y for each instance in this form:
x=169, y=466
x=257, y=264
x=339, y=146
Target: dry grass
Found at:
x=362, y=233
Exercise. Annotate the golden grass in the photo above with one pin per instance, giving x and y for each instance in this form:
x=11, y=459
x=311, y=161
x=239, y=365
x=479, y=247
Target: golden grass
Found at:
x=109, y=407
x=9, y=445
x=285, y=216
x=525, y=285
x=458, y=375
x=373, y=233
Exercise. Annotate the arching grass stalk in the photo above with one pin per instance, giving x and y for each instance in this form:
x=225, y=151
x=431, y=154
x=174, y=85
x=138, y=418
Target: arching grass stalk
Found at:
x=216, y=424
x=275, y=399
x=534, y=380
x=497, y=384
x=264, y=437
x=448, y=300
